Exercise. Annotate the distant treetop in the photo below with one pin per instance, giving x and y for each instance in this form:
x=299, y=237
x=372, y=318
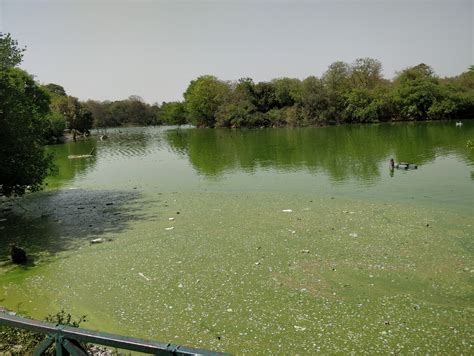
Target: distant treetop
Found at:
x=10, y=54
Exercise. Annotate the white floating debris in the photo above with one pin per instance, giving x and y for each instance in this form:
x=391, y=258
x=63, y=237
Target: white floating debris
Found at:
x=229, y=310
x=1, y=220
x=287, y=210
x=299, y=328
x=180, y=285
x=142, y=275
x=351, y=212
x=97, y=241
x=169, y=228
x=78, y=156
x=171, y=219
x=353, y=234
x=304, y=251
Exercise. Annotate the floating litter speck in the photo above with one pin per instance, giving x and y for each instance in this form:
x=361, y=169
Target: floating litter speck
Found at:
x=142, y=275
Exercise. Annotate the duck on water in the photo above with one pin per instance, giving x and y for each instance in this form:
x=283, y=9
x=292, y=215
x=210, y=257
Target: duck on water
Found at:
x=402, y=165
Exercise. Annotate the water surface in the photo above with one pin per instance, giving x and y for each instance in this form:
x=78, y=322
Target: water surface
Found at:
x=367, y=260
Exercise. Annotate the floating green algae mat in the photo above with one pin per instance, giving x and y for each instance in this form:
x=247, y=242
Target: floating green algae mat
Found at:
x=259, y=273
x=283, y=241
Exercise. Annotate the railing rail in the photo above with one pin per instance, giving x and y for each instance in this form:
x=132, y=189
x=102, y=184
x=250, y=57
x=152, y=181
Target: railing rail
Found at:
x=67, y=339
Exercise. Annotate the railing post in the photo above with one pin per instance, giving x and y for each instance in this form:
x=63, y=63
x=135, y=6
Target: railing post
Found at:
x=59, y=340
x=59, y=346
x=47, y=342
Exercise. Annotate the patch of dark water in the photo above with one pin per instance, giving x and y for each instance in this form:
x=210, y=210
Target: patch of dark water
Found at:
x=50, y=222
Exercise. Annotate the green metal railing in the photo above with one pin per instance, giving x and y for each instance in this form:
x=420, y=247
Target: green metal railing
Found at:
x=67, y=339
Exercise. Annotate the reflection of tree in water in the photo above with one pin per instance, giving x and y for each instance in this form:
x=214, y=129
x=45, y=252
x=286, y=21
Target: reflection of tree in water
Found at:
x=127, y=142
x=67, y=168
x=344, y=152
x=137, y=139
x=62, y=220
x=178, y=140
x=130, y=142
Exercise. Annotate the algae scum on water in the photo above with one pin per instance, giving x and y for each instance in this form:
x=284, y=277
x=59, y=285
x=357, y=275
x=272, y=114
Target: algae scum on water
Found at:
x=266, y=272
x=256, y=241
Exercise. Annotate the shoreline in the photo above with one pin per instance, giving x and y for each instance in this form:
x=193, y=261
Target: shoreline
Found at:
x=68, y=137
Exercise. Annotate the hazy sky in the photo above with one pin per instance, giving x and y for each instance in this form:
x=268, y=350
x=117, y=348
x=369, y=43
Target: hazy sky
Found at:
x=113, y=49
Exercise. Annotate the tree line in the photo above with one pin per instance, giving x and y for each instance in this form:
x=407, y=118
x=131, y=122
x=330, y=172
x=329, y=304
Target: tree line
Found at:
x=68, y=112
x=345, y=93
x=32, y=114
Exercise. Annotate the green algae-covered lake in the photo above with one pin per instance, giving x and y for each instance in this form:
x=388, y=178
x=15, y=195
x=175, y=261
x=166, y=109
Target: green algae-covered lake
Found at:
x=286, y=241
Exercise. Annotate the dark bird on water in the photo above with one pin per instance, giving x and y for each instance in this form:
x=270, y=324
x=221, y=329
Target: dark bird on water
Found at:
x=17, y=254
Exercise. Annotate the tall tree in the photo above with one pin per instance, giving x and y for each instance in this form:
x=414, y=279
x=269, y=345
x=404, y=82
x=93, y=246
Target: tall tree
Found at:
x=313, y=100
x=203, y=98
x=366, y=73
x=336, y=82
x=139, y=112
x=286, y=89
x=10, y=54
x=417, y=89
x=23, y=106
x=55, y=89
x=76, y=114
x=173, y=113
x=265, y=96
x=55, y=120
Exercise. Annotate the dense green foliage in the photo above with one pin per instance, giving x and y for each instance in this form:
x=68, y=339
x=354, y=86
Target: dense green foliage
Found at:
x=203, y=98
x=67, y=112
x=24, y=119
x=10, y=54
x=131, y=111
x=173, y=113
x=75, y=113
x=346, y=93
